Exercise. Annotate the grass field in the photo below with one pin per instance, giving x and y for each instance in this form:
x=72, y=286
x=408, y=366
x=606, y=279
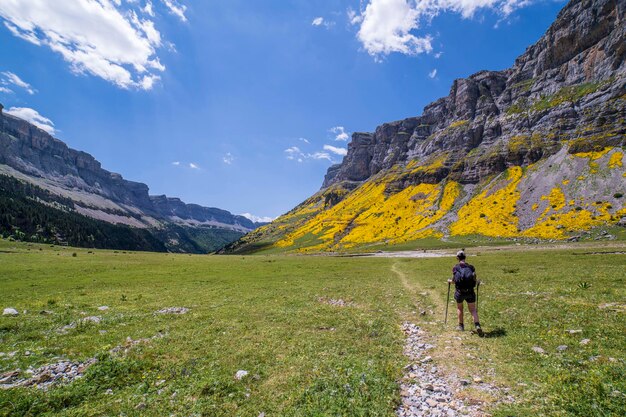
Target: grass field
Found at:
x=270, y=316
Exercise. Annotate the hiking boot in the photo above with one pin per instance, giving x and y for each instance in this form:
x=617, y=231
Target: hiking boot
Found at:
x=479, y=330
x=460, y=327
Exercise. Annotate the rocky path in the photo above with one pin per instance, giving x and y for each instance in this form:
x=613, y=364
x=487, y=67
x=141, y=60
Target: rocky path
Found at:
x=427, y=389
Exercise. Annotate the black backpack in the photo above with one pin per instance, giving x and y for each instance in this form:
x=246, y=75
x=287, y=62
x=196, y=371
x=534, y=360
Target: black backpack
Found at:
x=464, y=277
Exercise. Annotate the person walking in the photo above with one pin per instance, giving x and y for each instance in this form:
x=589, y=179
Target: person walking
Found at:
x=465, y=280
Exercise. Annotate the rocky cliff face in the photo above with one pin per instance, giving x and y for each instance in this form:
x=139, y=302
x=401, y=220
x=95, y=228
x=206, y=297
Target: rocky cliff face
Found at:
x=566, y=81
x=534, y=151
x=30, y=154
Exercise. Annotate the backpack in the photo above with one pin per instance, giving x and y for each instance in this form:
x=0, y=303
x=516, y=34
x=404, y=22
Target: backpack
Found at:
x=464, y=277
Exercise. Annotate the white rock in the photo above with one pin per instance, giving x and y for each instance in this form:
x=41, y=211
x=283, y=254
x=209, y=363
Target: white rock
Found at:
x=173, y=310
x=9, y=311
x=240, y=374
x=585, y=341
x=103, y=308
x=538, y=350
x=91, y=319
x=561, y=348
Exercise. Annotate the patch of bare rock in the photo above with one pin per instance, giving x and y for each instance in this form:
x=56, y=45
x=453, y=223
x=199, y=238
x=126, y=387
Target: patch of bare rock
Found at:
x=173, y=310
x=427, y=391
x=336, y=302
x=63, y=371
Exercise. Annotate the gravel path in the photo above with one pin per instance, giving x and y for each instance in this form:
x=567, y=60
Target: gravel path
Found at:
x=427, y=391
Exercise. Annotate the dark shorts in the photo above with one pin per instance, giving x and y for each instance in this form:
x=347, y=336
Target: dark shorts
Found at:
x=469, y=296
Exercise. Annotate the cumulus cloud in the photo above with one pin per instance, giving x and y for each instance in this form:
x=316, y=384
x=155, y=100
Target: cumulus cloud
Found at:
x=433, y=73
x=103, y=38
x=388, y=26
x=193, y=165
x=33, y=116
x=340, y=133
x=176, y=163
x=9, y=78
x=5, y=90
x=228, y=158
x=257, y=219
x=335, y=150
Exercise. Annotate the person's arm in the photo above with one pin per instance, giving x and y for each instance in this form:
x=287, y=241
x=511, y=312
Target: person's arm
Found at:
x=451, y=280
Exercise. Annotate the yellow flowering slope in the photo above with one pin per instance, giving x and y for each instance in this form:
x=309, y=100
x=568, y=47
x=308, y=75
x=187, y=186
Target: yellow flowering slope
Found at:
x=368, y=215
x=492, y=212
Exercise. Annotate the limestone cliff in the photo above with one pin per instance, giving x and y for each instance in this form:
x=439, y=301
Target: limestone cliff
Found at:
x=534, y=151
x=32, y=155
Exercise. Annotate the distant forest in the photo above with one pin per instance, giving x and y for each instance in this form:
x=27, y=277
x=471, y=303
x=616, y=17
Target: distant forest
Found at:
x=32, y=214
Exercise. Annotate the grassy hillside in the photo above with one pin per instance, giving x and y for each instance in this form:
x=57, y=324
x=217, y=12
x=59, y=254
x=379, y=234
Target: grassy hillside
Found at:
x=561, y=197
x=32, y=214
x=273, y=317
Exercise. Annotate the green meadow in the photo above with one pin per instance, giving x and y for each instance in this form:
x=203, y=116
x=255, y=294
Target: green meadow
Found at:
x=276, y=317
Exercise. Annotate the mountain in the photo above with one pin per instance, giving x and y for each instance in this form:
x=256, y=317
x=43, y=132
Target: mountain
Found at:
x=41, y=177
x=531, y=152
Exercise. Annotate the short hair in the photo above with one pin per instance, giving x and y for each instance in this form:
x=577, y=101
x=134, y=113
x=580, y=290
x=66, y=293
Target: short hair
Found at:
x=461, y=255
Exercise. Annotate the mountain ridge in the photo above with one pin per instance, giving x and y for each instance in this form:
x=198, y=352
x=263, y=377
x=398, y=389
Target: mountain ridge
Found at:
x=30, y=154
x=550, y=130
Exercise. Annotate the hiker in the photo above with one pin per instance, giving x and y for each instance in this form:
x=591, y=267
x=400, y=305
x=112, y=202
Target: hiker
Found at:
x=464, y=279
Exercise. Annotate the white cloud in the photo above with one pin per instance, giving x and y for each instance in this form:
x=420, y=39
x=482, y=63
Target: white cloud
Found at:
x=320, y=155
x=340, y=133
x=320, y=21
x=388, y=26
x=438, y=55
x=33, y=116
x=98, y=37
x=433, y=73
x=305, y=140
x=147, y=9
x=6, y=90
x=11, y=78
x=193, y=165
x=354, y=17
x=335, y=150
x=176, y=163
x=293, y=153
x=176, y=9
x=228, y=158
x=258, y=219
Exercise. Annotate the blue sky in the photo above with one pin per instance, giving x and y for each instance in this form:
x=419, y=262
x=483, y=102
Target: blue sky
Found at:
x=243, y=105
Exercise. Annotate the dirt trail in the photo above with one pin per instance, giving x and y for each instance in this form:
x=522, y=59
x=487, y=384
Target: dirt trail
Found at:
x=427, y=388
x=414, y=289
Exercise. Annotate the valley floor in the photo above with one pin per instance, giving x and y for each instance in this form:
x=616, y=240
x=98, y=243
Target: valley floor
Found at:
x=160, y=334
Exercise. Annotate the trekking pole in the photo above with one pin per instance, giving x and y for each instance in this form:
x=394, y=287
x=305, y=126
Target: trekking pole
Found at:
x=445, y=321
x=477, y=287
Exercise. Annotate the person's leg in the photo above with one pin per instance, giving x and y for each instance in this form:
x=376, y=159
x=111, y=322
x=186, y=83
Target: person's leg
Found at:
x=459, y=310
x=473, y=312
x=472, y=309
